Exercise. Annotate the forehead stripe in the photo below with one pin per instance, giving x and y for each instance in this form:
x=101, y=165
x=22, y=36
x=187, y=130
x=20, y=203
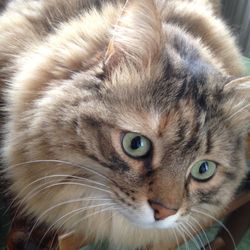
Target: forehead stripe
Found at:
x=209, y=142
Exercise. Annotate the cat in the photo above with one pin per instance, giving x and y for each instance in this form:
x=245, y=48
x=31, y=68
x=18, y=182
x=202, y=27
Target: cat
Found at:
x=124, y=121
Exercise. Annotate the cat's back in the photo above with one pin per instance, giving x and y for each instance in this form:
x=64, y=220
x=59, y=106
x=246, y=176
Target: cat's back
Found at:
x=202, y=20
x=26, y=24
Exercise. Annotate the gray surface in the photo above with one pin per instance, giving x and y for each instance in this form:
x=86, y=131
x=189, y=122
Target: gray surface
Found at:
x=237, y=14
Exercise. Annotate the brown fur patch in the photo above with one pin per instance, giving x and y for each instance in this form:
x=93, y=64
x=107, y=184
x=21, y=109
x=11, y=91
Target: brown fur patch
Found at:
x=77, y=74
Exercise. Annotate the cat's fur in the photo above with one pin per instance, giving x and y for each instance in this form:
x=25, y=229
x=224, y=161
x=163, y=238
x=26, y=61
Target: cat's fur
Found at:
x=75, y=74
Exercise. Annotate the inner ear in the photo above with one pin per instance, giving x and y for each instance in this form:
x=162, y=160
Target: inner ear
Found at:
x=137, y=36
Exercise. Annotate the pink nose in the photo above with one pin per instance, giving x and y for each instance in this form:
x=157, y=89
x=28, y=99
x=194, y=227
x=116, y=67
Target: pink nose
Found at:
x=160, y=211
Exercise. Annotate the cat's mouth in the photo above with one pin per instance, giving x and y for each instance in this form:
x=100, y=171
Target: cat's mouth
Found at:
x=145, y=217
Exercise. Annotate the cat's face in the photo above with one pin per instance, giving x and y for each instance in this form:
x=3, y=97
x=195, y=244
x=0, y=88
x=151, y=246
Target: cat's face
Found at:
x=179, y=148
x=128, y=146
x=145, y=144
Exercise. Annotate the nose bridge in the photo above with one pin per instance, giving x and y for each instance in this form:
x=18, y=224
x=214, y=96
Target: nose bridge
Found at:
x=167, y=189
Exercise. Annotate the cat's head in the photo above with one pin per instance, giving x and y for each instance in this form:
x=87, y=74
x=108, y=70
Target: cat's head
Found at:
x=151, y=135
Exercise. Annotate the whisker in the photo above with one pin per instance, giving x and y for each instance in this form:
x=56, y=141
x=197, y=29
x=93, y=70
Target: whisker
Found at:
x=56, y=232
x=176, y=238
x=97, y=212
x=52, y=241
x=239, y=111
x=68, y=202
x=63, y=162
x=197, y=234
x=48, y=177
x=110, y=217
x=182, y=234
x=26, y=198
x=77, y=184
x=203, y=232
x=72, y=213
x=219, y=222
x=191, y=237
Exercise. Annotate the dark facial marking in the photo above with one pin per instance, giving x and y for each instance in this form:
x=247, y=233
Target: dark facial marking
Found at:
x=182, y=131
x=209, y=142
x=93, y=157
x=92, y=122
x=183, y=90
x=202, y=102
x=192, y=144
x=127, y=193
x=123, y=200
x=208, y=196
x=116, y=163
x=231, y=176
x=101, y=75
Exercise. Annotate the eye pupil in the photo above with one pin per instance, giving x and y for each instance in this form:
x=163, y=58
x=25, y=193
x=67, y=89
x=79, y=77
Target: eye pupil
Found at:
x=136, y=143
x=203, y=168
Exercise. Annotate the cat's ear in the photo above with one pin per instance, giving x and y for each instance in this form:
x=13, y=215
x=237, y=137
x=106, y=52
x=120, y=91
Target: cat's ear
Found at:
x=240, y=85
x=137, y=37
x=239, y=104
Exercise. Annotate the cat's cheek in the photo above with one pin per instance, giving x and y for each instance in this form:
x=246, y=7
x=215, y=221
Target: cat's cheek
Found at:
x=142, y=217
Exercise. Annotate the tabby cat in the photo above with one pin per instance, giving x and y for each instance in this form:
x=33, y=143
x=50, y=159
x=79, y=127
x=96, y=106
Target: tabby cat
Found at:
x=124, y=120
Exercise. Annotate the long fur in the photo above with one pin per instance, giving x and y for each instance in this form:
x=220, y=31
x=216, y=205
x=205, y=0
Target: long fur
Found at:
x=76, y=75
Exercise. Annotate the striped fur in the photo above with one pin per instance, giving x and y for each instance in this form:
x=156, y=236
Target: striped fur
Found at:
x=76, y=74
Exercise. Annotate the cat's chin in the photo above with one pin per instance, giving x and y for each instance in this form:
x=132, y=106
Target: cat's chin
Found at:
x=135, y=233
x=144, y=219
x=168, y=223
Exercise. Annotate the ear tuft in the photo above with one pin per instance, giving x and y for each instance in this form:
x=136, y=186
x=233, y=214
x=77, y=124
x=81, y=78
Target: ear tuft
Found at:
x=239, y=84
x=137, y=36
x=239, y=105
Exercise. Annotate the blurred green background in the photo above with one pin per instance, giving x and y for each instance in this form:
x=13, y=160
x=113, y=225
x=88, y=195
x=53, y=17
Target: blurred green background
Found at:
x=247, y=63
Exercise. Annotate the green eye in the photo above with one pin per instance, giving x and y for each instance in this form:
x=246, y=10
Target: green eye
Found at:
x=203, y=170
x=136, y=145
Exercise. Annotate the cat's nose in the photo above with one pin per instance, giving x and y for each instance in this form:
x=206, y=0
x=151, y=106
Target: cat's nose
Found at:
x=161, y=212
